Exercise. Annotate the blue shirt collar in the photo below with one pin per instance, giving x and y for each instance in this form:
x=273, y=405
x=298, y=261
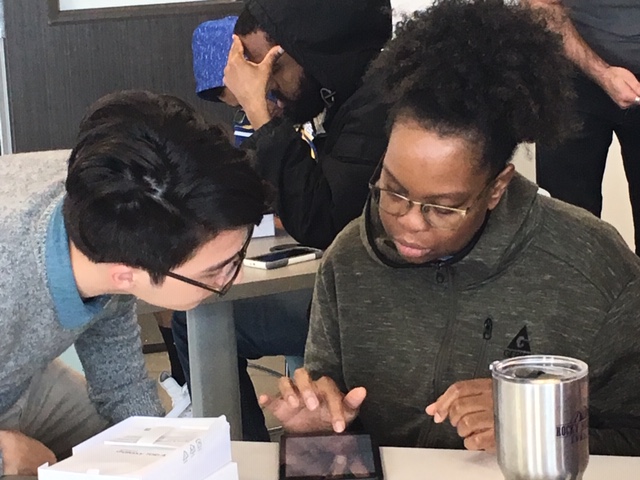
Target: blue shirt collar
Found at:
x=73, y=312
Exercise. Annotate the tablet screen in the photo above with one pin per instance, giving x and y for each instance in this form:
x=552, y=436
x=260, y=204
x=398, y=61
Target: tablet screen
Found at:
x=329, y=457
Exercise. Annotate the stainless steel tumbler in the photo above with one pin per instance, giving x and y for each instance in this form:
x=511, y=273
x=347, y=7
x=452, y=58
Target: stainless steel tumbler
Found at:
x=541, y=405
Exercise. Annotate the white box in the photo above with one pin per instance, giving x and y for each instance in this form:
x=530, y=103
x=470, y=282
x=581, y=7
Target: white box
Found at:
x=267, y=227
x=230, y=472
x=149, y=448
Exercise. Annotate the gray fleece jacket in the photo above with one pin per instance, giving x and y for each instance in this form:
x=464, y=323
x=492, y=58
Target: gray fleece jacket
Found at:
x=32, y=334
x=543, y=278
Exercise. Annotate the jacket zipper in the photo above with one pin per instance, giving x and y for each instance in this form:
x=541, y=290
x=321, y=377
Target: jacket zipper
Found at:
x=487, y=332
x=444, y=351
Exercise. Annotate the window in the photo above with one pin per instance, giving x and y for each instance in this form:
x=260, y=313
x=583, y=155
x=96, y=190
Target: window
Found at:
x=78, y=11
x=66, y=5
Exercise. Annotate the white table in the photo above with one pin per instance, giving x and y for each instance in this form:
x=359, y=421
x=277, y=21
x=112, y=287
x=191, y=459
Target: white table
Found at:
x=259, y=461
x=212, y=340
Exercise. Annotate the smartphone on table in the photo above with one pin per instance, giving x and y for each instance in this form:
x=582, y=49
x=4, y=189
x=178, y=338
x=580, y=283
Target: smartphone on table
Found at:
x=330, y=456
x=284, y=257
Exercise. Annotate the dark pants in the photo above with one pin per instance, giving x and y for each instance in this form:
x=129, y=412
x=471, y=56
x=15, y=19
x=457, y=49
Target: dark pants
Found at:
x=265, y=326
x=573, y=171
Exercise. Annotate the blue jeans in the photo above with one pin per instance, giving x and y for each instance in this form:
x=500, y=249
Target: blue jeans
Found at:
x=265, y=326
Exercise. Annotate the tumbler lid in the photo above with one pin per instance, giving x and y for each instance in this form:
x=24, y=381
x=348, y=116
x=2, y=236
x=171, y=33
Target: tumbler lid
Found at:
x=539, y=369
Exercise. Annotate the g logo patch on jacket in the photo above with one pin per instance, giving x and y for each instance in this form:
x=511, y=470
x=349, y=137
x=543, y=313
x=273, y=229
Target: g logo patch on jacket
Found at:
x=519, y=346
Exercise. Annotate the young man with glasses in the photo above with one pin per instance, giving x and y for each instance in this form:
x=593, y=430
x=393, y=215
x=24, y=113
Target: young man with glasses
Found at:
x=457, y=261
x=154, y=204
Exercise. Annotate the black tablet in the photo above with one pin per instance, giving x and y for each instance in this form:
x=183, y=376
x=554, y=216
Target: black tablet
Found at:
x=329, y=457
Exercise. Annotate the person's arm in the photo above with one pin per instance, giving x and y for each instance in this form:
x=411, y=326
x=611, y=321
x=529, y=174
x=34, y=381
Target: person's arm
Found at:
x=614, y=379
x=619, y=83
x=317, y=400
x=323, y=351
x=318, y=197
x=111, y=354
x=22, y=455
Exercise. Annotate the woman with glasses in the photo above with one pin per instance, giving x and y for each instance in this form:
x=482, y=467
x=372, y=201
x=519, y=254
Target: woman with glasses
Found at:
x=457, y=261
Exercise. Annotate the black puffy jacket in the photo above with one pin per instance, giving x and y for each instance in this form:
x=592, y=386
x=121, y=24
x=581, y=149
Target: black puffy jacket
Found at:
x=333, y=40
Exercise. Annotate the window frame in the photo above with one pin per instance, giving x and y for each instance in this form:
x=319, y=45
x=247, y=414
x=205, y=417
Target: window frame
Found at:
x=211, y=8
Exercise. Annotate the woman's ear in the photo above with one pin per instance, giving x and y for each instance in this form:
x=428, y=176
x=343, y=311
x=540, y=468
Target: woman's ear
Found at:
x=500, y=185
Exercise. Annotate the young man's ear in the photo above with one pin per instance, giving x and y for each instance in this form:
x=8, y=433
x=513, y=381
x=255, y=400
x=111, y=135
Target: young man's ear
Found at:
x=500, y=185
x=122, y=277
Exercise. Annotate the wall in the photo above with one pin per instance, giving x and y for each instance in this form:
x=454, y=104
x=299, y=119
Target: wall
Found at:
x=616, y=207
x=408, y=6
x=55, y=71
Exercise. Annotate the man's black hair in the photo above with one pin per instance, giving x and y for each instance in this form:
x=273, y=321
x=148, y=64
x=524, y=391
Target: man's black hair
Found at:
x=150, y=181
x=487, y=70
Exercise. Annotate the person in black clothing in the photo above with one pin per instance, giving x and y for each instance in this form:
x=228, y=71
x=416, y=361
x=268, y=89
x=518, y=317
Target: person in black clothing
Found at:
x=602, y=40
x=311, y=56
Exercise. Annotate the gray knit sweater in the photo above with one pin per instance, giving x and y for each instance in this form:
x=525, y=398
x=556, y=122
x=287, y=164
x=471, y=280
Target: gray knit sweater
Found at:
x=32, y=335
x=544, y=278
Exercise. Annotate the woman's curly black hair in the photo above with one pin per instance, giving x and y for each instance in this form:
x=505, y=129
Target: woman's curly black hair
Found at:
x=487, y=70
